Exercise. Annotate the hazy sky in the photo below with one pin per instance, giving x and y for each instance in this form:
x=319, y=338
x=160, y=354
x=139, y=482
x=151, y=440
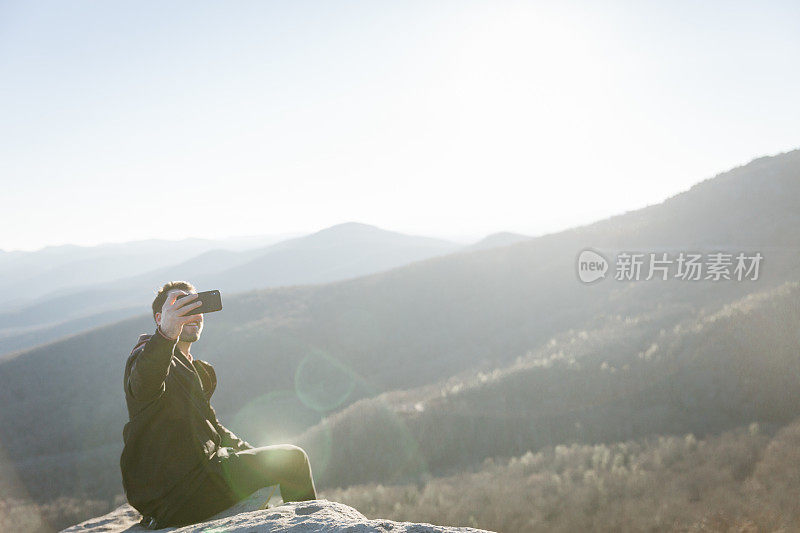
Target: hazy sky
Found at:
x=132, y=120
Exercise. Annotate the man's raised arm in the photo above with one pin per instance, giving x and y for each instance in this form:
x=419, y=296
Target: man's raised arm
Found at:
x=151, y=366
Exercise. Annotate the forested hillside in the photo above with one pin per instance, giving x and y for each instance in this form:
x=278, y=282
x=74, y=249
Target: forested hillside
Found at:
x=626, y=378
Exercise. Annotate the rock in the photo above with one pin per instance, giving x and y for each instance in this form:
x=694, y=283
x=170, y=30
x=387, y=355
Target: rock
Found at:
x=317, y=516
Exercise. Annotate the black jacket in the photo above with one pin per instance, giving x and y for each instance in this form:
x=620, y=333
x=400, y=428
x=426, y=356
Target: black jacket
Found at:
x=173, y=434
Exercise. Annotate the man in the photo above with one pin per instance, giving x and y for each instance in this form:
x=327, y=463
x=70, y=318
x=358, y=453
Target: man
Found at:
x=179, y=464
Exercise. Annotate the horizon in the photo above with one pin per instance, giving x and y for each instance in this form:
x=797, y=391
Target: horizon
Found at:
x=458, y=239
x=461, y=239
x=454, y=118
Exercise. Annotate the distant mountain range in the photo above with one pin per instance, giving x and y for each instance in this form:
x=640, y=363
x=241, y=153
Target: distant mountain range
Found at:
x=27, y=276
x=98, y=297
x=436, y=360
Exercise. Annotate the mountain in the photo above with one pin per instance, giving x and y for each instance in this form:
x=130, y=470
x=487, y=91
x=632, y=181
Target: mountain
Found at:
x=290, y=357
x=494, y=240
x=342, y=251
x=339, y=252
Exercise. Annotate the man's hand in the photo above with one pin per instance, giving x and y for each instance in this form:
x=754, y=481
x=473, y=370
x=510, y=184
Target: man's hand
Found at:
x=173, y=312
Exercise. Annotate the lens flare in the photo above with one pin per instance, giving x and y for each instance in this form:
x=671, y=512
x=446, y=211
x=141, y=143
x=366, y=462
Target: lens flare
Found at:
x=273, y=418
x=322, y=382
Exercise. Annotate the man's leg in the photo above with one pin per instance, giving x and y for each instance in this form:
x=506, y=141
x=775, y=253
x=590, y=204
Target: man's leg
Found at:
x=280, y=464
x=205, y=499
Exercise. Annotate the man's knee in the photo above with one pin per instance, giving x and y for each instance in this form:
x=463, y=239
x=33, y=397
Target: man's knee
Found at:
x=286, y=458
x=299, y=457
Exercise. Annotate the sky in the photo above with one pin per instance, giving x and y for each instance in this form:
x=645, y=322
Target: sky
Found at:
x=125, y=121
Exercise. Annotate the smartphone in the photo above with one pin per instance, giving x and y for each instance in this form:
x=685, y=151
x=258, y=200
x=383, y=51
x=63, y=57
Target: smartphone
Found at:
x=212, y=301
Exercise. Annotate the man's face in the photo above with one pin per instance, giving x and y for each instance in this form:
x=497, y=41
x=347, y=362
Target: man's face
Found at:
x=191, y=330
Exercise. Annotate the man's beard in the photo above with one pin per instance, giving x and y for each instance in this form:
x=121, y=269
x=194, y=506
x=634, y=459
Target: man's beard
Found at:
x=190, y=336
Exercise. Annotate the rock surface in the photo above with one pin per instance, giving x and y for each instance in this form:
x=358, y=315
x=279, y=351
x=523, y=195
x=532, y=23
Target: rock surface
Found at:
x=318, y=516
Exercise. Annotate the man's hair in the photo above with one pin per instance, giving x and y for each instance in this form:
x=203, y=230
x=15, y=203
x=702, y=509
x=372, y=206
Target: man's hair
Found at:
x=161, y=297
